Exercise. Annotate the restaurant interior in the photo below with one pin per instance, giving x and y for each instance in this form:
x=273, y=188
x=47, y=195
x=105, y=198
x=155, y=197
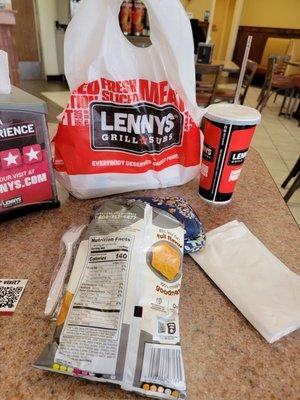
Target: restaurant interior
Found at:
x=246, y=52
x=35, y=35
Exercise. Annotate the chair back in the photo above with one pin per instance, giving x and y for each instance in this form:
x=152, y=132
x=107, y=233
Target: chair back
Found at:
x=295, y=56
x=249, y=75
x=267, y=86
x=279, y=46
x=270, y=73
x=281, y=63
x=207, y=87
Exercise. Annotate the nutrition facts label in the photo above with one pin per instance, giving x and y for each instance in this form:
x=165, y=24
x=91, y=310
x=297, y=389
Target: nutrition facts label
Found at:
x=90, y=338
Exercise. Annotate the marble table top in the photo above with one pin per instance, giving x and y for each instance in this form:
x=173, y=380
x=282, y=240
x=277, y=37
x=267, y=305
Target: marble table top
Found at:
x=224, y=356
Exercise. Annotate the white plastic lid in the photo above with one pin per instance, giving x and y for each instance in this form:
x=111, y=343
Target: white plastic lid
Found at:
x=234, y=114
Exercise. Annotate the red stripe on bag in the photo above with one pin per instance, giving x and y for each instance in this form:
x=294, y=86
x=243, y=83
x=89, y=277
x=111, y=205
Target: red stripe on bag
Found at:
x=74, y=155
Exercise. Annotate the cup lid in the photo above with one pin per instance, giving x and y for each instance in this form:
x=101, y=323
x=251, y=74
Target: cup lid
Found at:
x=234, y=114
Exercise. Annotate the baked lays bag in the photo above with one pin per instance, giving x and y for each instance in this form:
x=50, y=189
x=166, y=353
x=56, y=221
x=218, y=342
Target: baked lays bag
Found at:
x=132, y=119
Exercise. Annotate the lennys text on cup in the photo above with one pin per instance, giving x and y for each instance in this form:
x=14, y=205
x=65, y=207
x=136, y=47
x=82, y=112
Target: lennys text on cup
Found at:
x=237, y=157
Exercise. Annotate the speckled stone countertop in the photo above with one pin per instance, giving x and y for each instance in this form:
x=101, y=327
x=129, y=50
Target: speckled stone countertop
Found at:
x=225, y=358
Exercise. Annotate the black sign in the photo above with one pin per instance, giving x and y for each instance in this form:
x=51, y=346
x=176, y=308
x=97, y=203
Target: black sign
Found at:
x=12, y=202
x=139, y=129
x=16, y=130
x=237, y=157
x=208, y=152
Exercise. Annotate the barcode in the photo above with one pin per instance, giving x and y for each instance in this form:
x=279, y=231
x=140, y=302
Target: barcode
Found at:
x=163, y=364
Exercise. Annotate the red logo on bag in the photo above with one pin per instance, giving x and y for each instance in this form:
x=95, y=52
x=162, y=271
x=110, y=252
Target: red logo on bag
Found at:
x=126, y=127
x=140, y=128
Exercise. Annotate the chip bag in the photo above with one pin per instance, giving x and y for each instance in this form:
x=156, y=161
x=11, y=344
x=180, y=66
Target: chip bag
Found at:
x=132, y=121
x=119, y=319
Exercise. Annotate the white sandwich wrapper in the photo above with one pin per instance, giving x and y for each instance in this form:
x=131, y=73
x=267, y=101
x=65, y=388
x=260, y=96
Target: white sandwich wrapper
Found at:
x=263, y=289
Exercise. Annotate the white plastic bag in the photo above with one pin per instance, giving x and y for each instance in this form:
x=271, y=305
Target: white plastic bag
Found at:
x=132, y=120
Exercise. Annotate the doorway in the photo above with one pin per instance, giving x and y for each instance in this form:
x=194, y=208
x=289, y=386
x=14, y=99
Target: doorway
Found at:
x=27, y=42
x=223, y=19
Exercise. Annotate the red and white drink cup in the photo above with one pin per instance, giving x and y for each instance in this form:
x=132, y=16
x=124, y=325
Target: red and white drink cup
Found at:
x=228, y=131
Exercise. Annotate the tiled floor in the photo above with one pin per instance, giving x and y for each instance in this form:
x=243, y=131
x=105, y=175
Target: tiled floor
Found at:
x=60, y=98
x=38, y=87
x=277, y=139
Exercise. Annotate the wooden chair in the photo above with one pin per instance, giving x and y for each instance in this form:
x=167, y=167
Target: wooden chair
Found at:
x=274, y=79
x=270, y=71
x=291, y=97
x=207, y=85
x=229, y=94
x=281, y=63
x=278, y=46
x=266, y=90
x=273, y=83
x=296, y=185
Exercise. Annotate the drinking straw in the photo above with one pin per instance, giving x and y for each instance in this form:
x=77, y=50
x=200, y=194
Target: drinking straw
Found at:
x=243, y=70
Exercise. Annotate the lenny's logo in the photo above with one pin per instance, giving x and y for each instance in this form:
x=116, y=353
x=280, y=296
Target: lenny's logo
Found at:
x=237, y=157
x=140, y=128
x=12, y=202
x=208, y=152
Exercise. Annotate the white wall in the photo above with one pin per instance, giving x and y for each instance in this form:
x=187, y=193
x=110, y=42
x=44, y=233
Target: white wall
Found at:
x=47, y=14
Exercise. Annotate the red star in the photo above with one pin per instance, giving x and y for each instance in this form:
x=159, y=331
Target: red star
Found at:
x=144, y=140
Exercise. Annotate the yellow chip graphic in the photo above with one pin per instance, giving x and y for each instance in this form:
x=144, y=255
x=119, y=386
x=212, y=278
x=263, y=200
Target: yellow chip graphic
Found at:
x=166, y=260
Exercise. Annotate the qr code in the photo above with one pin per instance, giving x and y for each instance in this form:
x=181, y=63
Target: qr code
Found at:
x=9, y=296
